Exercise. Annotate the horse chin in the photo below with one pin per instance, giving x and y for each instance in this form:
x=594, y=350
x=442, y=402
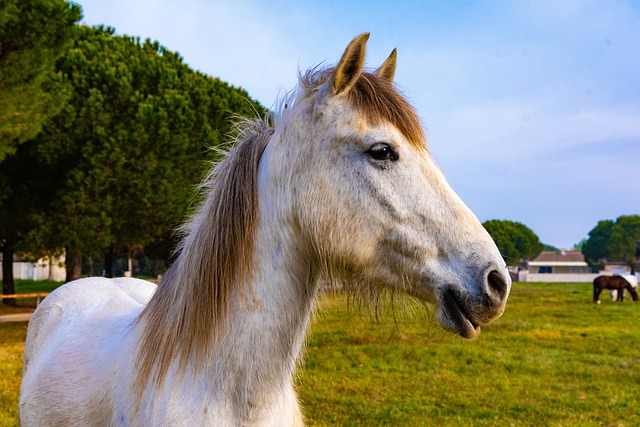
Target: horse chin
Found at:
x=453, y=317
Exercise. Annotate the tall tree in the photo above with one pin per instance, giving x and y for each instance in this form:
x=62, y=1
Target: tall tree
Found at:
x=596, y=248
x=33, y=33
x=24, y=191
x=625, y=240
x=515, y=240
x=617, y=240
x=130, y=144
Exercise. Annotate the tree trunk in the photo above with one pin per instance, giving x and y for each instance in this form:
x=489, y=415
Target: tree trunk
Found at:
x=8, y=285
x=108, y=263
x=73, y=264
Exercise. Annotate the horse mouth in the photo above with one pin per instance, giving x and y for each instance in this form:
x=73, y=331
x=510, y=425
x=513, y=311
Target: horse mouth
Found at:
x=454, y=318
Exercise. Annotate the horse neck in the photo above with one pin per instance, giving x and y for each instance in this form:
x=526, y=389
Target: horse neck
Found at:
x=267, y=323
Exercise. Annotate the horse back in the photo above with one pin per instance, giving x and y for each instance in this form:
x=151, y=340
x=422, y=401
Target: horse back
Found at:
x=75, y=342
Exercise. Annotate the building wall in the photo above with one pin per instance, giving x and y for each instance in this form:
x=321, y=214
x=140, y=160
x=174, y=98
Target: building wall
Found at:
x=525, y=276
x=559, y=269
x=617, y=268
x=565, y=269
x=40, y=270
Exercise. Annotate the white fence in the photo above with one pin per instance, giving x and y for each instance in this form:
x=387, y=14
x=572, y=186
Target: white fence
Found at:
x=525, y=276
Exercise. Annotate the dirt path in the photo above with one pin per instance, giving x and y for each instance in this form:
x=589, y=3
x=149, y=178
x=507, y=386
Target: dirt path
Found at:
x=16, y=317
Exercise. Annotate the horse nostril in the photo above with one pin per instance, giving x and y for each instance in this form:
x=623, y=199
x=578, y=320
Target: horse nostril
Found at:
x=498, y=284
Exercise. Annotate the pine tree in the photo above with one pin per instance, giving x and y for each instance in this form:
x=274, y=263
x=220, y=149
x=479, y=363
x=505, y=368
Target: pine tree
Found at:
x=33, y=33
x=130, y=144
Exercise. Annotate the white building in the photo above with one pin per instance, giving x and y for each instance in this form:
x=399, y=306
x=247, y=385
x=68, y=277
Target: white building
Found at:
x=43, y=269
x=563, y=266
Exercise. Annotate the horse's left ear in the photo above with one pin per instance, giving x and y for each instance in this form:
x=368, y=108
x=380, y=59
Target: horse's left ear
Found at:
x=351, y=65
x=388, y=69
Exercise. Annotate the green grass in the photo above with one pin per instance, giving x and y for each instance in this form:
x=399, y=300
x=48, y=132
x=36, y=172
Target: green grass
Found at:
x=12, y=337
x=31, y=286
x=553, y=359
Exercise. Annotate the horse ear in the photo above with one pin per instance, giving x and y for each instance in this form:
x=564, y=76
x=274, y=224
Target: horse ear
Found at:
x=351, y=64
x=388, y=69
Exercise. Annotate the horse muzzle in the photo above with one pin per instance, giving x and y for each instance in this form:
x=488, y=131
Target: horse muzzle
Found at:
x=463, y=313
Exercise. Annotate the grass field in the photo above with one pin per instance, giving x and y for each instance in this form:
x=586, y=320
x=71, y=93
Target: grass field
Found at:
x=553, y=359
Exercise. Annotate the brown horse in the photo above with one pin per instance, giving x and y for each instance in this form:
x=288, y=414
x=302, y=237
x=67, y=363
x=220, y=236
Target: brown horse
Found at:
x=613, y=282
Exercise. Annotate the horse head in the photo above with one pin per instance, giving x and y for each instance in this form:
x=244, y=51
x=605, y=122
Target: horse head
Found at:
x=368, y=201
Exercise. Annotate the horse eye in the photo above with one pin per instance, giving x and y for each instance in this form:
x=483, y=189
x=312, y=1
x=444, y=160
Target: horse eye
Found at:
x=382, y=151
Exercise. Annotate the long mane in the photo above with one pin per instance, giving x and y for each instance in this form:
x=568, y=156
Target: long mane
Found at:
x=190, y=307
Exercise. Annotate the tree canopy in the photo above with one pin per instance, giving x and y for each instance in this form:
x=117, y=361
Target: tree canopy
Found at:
x=33, y=33
x=596, y=248
x=625, y=240
x=119, y=161
x=515, y=241
x=131, y=142
x=617, y=240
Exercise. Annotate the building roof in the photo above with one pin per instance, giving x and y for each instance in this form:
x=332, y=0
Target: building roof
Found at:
x=569, y=258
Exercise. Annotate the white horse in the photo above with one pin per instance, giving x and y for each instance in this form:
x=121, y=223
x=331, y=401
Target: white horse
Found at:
x=633, y=281
x=341, y=186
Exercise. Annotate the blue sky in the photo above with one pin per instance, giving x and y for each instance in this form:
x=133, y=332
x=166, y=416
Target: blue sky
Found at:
x=532, y=108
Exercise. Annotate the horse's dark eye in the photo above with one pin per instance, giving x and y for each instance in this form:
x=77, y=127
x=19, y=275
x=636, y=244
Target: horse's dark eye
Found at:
x=382, y=151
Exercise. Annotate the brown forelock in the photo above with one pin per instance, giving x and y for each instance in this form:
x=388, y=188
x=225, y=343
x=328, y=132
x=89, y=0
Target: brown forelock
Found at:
x=377, y=100
x=190, y=309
